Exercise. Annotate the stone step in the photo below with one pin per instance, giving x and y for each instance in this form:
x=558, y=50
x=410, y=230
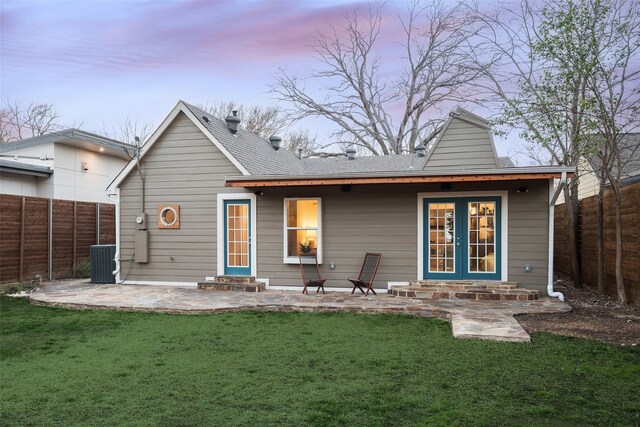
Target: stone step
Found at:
x=232, y=286
x=234, y=279
x=462, y=285
x=481, y=291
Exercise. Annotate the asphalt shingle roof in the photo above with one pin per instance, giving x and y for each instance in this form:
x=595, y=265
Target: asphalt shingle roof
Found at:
x=259, y=158
x=254, y=153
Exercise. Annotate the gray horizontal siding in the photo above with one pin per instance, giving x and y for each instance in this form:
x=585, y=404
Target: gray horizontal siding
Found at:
x=185, y=168
x=352, y=223
x=364, y=221
x=463, y=144
x=529, y=235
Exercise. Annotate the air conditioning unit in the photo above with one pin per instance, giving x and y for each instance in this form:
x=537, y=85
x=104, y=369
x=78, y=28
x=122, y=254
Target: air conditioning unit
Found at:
x=103, y=263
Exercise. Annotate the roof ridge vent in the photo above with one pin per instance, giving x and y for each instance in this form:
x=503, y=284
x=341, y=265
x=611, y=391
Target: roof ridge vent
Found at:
x=233, y=121
x=275, y=141
x=351, y=153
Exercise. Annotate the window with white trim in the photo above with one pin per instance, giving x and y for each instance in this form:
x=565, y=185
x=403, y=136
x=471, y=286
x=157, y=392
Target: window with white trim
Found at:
x=302, y=228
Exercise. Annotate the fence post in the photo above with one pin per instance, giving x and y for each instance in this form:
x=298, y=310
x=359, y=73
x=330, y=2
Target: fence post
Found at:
x=22, y=214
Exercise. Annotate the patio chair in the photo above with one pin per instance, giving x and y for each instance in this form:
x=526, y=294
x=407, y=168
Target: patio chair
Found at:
x=367, y=273
x=311, y=274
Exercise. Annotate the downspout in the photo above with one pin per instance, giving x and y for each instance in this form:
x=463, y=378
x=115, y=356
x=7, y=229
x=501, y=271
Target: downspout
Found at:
x=554, y=193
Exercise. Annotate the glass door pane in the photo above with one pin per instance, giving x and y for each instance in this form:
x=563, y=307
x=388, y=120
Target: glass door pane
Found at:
x=442, y=237
x=237, y=235
x=481, y=237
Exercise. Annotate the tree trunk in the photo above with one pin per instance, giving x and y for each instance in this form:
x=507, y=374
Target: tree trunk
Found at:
x=601, y=254
x=573, y=206
x=622, y=295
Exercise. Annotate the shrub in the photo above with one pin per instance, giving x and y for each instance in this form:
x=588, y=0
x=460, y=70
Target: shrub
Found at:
x=82, y=269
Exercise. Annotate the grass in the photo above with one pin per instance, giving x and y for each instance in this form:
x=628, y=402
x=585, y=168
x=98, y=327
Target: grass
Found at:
x=61, y=367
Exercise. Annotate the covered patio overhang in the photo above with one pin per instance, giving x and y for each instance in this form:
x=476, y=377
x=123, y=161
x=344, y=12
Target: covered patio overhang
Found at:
x=405, y=177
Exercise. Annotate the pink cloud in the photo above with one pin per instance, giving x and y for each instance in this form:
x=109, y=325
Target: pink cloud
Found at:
x=123, y=36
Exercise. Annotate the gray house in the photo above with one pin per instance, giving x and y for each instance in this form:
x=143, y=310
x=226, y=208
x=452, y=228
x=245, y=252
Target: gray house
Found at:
x=207, y=199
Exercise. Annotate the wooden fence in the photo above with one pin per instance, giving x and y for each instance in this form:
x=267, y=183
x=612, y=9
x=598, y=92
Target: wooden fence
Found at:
x=588, y=241
x=39, y=236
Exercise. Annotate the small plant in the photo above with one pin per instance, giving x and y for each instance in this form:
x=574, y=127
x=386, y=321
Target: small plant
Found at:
x=305, y=247
x=82, y=269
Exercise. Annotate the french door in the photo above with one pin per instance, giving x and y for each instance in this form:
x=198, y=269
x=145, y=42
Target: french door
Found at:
x=462, y=238
x=237, y=237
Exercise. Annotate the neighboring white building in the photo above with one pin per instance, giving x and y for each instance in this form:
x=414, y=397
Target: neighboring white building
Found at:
x=589, y=168
x=68, y=165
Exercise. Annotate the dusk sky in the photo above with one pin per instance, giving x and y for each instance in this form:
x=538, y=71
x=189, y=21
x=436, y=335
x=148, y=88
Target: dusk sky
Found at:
x=100, y=62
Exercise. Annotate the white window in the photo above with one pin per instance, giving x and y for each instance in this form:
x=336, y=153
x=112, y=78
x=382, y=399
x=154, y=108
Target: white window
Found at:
x=302, y=228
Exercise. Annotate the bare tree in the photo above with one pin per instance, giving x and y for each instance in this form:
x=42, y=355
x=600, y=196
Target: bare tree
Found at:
x=128, y=130
x=266, y=122
x=262, y=121
x=301, y=140
x=362, y=102
x=20, y=121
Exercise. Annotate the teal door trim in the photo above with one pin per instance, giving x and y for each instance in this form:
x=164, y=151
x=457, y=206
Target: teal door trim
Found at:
x=235, y=270
x=461, y=239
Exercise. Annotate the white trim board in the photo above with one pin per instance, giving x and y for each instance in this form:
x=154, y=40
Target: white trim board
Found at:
x=118, y=243
x=220, y=230
x=504, y=225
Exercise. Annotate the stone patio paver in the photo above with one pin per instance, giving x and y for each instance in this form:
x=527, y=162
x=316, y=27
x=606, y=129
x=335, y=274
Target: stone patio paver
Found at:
x=470, y=319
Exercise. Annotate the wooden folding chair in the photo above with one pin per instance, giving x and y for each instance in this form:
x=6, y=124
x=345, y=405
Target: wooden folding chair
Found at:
x=311, y=274
x=367, y=273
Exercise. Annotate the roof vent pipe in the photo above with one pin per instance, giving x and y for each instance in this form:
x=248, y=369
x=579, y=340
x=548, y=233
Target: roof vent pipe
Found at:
x=275, y=141
x=421, y=150
x=233, y=121
x=299, y=155
x=351, y=153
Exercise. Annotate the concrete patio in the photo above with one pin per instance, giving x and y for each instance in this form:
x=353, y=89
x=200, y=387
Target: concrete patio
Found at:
x=492, y=320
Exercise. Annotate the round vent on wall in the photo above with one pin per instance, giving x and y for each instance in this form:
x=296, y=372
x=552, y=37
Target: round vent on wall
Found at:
x=169, y=216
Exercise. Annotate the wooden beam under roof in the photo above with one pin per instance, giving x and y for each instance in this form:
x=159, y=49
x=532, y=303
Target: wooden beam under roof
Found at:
x=314, y=181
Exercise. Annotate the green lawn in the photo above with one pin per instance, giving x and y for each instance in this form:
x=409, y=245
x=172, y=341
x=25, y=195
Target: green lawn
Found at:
x=63, y=367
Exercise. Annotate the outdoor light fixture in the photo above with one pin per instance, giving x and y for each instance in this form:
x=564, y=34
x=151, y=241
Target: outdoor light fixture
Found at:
x=522, y=190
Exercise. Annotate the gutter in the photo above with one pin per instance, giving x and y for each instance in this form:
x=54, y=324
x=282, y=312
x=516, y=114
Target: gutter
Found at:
x=554, y=193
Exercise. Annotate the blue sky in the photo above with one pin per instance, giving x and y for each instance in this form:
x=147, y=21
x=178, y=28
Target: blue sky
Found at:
x=100, y=62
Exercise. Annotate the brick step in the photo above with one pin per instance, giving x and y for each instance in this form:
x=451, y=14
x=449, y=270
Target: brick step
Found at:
x=482, y=291
x=232, y=286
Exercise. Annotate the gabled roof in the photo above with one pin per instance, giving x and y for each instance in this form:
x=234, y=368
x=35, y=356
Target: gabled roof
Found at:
x=24, y=168
x=480, y=150
x=73, y=137
x=255, y=158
